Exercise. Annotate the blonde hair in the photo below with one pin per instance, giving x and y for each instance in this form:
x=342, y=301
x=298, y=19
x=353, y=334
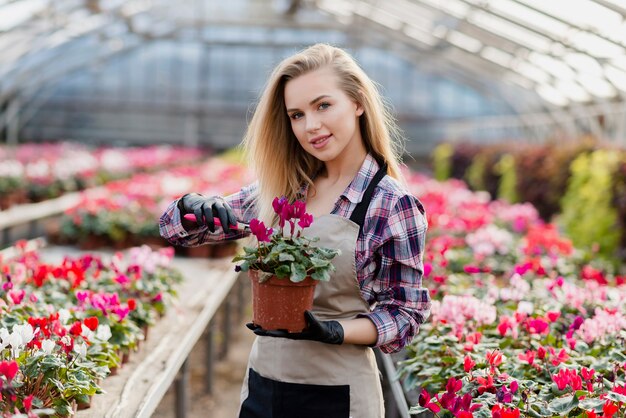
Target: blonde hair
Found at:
x=274, y=153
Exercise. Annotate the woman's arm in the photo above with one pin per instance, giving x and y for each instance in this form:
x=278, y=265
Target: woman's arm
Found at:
x=359, y=331
x=402, y=304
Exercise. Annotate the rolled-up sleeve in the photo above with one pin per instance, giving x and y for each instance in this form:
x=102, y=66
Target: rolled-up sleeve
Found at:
x=171, y=227
x=401, y=303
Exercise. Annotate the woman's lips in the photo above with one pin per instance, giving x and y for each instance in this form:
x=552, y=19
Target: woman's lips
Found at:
x=321, y=141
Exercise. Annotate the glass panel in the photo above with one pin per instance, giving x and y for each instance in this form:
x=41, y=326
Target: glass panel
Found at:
x=508, y=30
x=496, y=55
x=584, y=64
x=17, y=13
x=463, y=41
x=583, y=13
x=553, y=66
x=597, y=86
x=596, y=46
x=617, y=76
x=551, y=95
x=531, y=72
x=573, y=91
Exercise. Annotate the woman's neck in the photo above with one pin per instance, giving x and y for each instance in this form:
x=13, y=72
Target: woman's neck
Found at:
x=346, y=167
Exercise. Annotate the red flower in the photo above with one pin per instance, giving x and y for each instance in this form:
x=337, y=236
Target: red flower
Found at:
x=494, y=358
x=553, y=315
x=76, y=328
x=28, y=403
x=468, y=364
x=91, y=323
x=501, y=412
x=260, y=231
x=425, y=401
x=529, y=356
x=9, y=369
x=609, y=409
x=465, y=414
x=132, y=304
x=486, y=384
x=454, y=385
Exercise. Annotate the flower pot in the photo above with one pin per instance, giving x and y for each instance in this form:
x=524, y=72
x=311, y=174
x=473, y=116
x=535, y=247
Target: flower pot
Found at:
x=280, y=303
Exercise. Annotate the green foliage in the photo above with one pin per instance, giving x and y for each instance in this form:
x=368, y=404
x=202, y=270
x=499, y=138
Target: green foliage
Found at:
x=507, y=189
x=588, y=215
x=289, y=257
x=475, y=174
x=442, y=161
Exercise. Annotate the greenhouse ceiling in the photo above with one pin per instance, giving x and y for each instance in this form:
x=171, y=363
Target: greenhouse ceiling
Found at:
x=567, y=51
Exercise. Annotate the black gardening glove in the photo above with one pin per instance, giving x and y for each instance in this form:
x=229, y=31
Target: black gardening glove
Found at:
x=329, y=332
x=205, y=208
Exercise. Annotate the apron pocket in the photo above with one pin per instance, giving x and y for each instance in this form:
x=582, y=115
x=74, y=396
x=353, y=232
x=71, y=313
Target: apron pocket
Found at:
x=269, y=398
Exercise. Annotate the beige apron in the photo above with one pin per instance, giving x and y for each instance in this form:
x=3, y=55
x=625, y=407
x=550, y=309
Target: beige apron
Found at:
x=316, y=363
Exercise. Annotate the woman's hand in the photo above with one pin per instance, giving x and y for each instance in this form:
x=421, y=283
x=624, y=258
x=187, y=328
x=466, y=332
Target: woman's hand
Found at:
x=329, y=332
x=359, y=331
x=204, y=209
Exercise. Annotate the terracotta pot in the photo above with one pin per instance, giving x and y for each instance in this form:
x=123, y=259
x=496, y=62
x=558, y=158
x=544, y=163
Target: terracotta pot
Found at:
x=280, y=303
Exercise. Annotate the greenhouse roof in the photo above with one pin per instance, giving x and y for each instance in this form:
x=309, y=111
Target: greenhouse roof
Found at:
x=567, y=51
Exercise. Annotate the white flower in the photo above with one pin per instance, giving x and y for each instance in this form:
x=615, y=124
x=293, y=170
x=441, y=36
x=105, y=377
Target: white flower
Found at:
x=64, y=316
x=525, y=307
x=81, y=349
x=26, y=332
x=4, y=336
x=47, y=346
x=103, y=333
x=86, y=332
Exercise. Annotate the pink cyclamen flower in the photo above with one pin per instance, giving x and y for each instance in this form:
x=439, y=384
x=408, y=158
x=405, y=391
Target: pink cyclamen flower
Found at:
x=278, y=204
x=305, y=220
x=17, y=296
x=260, y=231
x=299, y=209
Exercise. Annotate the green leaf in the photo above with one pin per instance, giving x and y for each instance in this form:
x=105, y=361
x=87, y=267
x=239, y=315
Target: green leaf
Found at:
x=563, y=405
x=616, y=397
x=286, y=257
x=282, y=271
x=298, y=273
x=592, y=403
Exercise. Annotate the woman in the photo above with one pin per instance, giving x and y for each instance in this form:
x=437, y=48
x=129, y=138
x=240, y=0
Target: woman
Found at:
x=321, y=133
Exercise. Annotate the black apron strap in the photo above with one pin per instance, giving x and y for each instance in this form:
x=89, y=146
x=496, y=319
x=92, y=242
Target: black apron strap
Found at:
x=358, y=215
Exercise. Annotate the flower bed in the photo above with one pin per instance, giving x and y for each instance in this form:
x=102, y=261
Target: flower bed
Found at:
x=521, y=324
x=126, y=212
x=35, y=172
x=65, y=326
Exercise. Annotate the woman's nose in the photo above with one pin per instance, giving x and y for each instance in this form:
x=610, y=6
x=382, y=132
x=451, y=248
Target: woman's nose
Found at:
x=313, y=124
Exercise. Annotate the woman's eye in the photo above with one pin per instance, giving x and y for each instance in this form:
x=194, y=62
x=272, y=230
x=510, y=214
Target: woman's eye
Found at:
x=324, y=105
x=296, y=115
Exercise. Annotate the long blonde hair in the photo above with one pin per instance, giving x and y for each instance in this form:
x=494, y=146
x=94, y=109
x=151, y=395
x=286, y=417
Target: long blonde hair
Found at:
x=274, y=153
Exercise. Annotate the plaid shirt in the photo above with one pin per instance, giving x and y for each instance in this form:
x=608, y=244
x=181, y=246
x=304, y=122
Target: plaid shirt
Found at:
x=388, y=252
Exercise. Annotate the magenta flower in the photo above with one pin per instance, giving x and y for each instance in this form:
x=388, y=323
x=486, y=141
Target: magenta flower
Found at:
x=305, y=220
x=278, y=204
x=286, y=214
x=259, y=230
x=425, y=401
x=299, y=209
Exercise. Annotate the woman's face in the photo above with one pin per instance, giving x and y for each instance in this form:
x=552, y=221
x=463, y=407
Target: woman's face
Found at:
x=323, y=117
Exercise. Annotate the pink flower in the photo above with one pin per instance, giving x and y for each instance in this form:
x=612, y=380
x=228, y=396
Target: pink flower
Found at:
x=260, y=231
x=299, y=209
x=278, y=204
x=425, y=401
x=17, y=296
x=305, y=220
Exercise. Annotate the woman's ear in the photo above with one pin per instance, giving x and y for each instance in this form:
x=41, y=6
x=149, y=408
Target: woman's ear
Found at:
x=359, y=109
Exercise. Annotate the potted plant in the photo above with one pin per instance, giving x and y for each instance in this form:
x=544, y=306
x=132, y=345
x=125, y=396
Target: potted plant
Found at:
x=284, y=268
